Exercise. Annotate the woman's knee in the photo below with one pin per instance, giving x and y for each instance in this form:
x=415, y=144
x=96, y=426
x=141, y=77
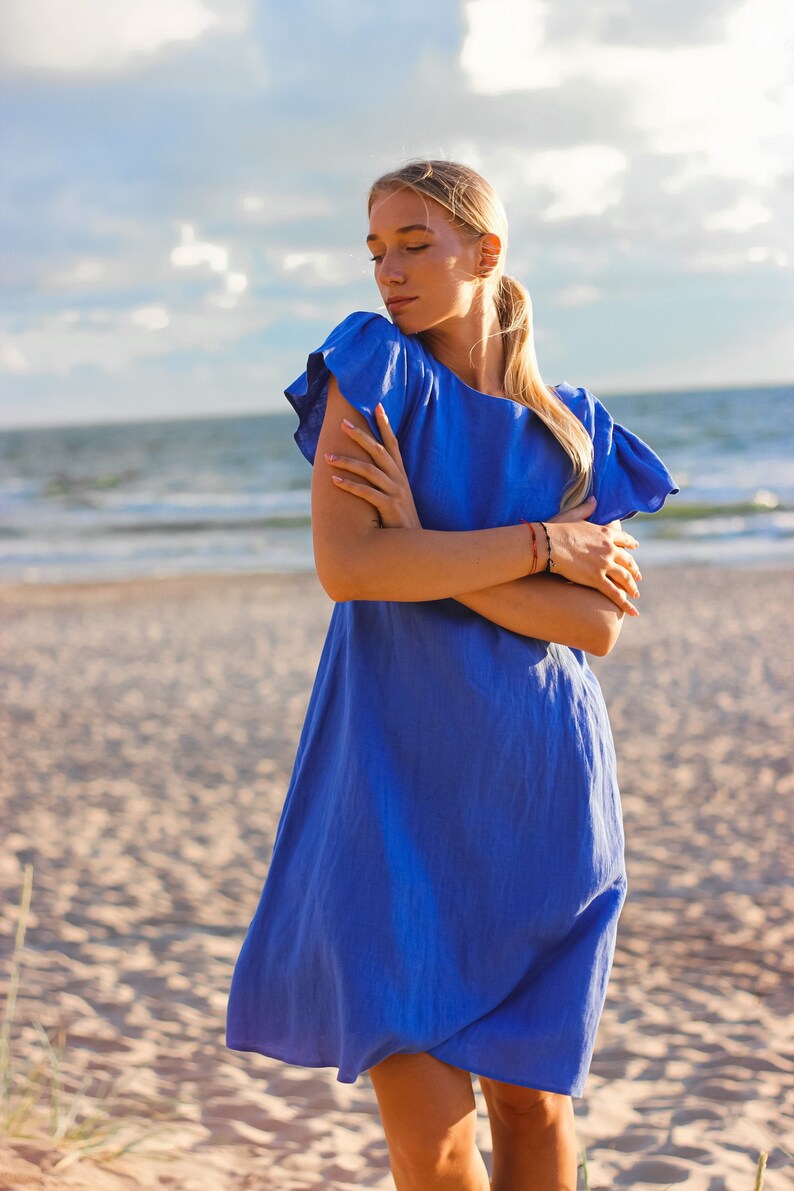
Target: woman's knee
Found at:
x=429, y=1116
x=521, y=1107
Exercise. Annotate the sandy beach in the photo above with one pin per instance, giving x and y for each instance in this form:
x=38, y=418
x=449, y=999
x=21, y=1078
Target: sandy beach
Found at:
x=148, y=734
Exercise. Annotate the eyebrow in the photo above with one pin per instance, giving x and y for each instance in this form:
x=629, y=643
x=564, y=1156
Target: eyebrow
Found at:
x=401, y=231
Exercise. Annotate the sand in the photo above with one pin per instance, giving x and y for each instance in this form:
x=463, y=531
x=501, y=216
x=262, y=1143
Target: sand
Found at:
x=148, y=735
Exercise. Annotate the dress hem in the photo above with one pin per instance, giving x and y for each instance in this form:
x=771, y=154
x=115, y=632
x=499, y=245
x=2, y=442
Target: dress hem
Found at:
x=254, y=1048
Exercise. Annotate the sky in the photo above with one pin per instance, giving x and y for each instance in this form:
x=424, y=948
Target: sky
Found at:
x=182, y=201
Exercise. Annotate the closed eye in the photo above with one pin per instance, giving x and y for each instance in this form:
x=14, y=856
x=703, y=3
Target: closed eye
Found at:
x=413, y=248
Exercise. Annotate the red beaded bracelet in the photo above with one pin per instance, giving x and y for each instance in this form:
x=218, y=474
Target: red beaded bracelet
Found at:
x=534, y=545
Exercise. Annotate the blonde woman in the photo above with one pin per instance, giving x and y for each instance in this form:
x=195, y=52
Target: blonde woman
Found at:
x=448, y=869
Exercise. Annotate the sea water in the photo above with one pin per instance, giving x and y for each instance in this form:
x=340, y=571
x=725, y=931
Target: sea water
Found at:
x=232, y=494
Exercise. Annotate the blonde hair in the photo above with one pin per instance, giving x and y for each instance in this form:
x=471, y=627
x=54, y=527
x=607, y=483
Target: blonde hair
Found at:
x=476, y=209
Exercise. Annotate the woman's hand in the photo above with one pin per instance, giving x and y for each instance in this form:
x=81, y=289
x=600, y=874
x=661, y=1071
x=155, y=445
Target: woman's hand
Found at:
x=595, y=555
x=387, y=486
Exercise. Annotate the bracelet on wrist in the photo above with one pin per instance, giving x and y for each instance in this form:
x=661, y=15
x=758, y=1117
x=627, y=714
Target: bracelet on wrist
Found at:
x=534, y=545
x=551, y=564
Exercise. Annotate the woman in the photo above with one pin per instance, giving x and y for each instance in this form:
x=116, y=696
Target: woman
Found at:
x=448, y=868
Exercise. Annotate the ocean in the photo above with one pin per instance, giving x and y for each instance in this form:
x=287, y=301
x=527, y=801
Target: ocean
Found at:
x=232, y=494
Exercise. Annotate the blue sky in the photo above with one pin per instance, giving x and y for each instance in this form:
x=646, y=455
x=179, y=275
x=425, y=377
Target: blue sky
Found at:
x=182, y=199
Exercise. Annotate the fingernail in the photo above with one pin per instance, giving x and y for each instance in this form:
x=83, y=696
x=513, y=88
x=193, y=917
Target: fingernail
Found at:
x=329, y=457
x=347, y=422
x=337, y=479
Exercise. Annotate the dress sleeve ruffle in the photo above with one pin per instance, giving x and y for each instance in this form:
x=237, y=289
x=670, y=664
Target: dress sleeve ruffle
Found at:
x=628, y=476
x=368, y=356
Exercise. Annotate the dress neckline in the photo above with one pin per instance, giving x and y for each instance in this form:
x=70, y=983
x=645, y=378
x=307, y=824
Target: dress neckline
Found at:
x=478, y=392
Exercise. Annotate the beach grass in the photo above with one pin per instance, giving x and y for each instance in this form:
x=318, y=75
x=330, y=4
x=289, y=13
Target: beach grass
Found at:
x=759, y=1174
x=583, y=1164
x=38, y=1101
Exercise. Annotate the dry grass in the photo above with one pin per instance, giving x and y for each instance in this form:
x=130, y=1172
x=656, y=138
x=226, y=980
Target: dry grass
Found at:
x=759, y=1173
x=38, y=1100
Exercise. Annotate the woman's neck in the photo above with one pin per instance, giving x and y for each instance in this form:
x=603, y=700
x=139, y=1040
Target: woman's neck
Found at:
x=473, y=348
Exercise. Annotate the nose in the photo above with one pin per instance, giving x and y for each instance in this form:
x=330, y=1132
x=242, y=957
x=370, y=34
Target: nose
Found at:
x=391, y=270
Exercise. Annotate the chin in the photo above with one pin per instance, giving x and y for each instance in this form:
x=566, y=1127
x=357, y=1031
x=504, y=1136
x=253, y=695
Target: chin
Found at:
x=409, y=324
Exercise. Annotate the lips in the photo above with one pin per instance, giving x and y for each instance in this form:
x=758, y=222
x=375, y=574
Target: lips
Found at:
x=397, y=304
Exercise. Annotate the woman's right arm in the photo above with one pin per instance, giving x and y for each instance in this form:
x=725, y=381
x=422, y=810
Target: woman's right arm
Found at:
x=356, y=559
x=542, y=607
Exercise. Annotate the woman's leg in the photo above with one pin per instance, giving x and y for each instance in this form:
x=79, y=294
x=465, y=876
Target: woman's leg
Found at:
x=429, y=1116
x=534, y=1138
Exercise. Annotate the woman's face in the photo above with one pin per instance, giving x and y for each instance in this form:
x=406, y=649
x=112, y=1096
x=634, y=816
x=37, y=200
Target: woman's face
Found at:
x=425, y=269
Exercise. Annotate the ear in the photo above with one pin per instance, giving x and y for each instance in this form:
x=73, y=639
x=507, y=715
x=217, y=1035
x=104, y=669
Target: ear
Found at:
x=490, y=251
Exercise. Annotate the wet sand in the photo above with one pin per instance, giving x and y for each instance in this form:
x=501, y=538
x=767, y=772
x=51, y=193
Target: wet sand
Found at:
x=148, y=735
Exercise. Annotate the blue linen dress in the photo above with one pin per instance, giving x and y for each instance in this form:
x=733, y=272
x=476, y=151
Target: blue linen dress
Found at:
x=448, y=869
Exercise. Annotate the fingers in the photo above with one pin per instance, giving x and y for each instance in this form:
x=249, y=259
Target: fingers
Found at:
x=578, y=513
x=371, y=471
x=619, y=597
x=621, y=581
x=373, y=496
x=583, y=511
x=622, y=537
x=388, y=434
x=624, y=560
x=625, y=573
x=625, y=580
x=630, y=564
x=383, y=452
x=387, y=466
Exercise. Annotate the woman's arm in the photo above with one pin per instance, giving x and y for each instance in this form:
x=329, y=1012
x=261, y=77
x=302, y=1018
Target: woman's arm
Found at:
x=545, y=608
x=356, y=560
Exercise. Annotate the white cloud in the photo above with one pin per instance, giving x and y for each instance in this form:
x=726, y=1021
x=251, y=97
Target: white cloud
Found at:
x=151, y=318
x=11, y=358
x=321, y=268
x=236, y=283
x=504, y=46
x=100, y=37
x=115, y=339
x=85, y=272
x=192, y=253
x=746, y=213
x=139, y=261
x=582, y=179
x=586, y=179
x=272, y=208
x=727, y=105
x=730, y=260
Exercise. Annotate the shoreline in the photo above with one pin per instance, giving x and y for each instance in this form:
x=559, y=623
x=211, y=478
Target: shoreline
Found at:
x=20, y=594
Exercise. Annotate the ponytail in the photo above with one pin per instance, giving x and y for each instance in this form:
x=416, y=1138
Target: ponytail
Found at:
x=524, y=384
